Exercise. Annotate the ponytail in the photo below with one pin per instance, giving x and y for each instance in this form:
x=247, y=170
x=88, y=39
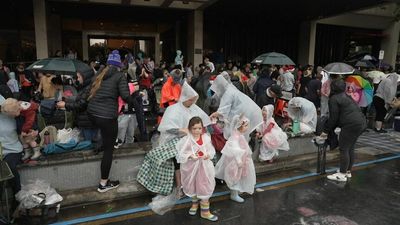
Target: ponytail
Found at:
x=96, y=84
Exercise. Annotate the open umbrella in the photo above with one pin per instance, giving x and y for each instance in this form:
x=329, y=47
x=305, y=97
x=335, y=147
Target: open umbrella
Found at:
x=360, y=90
x=376, y=76
x=273, y=58
x=338, y=68
x=365, y=64
x=59, y=66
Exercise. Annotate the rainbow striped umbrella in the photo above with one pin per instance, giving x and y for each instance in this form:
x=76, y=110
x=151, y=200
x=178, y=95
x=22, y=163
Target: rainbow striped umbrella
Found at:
x=360, y=90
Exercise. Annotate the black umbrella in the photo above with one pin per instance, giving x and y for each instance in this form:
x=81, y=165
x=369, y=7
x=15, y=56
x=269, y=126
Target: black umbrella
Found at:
x=60, y=66
x=273, y=58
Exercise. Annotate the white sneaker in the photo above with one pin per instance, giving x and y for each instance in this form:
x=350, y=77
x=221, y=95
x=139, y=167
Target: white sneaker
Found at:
x=36, y=153
x=348, y=173
x=118, y=143
x=338, y=177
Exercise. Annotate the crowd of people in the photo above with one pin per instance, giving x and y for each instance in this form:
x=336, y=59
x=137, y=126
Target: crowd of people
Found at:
x=208, y=117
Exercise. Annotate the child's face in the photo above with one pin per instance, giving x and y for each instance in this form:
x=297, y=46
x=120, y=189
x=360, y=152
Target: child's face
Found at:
x=244, y=128
x=196, y=130
x=264, y=114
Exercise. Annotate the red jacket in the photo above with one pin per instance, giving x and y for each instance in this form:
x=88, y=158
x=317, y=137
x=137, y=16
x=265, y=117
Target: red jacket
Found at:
x=30, y=117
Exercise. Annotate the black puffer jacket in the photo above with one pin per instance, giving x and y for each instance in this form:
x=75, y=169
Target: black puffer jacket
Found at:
x=104, y=103
x=343, y=111
x=79, y=104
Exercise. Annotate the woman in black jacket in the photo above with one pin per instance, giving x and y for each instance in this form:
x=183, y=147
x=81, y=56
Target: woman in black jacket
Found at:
x=102, y=109
x=345, y=114
x=79, y=105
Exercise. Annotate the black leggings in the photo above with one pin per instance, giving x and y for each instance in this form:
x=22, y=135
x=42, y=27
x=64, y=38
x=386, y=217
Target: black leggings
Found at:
x=381, y=111
x=347, y=142
x=109, y=132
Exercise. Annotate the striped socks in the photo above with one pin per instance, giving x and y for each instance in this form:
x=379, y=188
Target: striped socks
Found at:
x=195, y=206
x=205, y=211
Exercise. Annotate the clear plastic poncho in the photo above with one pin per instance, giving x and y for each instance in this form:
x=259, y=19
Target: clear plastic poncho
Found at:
x=232, y=103
x=177, y=116
x=197, y=175
x=305, y=112
x=236, y=165
x=273, y=138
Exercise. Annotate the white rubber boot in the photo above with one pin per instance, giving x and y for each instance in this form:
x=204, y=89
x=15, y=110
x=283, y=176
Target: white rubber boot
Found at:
x=235, y=196
x=36, y=153
x=27, y=154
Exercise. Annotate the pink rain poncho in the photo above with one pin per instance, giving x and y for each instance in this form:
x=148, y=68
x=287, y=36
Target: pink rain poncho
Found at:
x=197, y=175
x=236, y=165
x=273, y=138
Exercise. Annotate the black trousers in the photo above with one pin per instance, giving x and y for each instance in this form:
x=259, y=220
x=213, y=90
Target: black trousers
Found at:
x=347, y=142
x=381, y=111
x=109, y=132
x=13, y=160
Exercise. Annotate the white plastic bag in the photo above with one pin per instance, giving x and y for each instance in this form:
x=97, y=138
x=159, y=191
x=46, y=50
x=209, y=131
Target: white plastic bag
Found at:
x=30, y=195
x=66, y=135
x=162, y=204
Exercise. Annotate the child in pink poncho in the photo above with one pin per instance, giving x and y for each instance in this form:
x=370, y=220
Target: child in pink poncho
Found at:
x=272, y=136
x=236, y=165
x=195, y=152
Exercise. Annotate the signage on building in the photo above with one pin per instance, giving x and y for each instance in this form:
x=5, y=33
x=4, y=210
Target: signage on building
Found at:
x=381, y=54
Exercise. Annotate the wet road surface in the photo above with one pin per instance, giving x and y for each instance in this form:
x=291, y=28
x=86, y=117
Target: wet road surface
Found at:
x=371, y=197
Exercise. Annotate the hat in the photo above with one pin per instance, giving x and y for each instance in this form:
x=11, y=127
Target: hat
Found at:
x=114, y=59
x=276, y=89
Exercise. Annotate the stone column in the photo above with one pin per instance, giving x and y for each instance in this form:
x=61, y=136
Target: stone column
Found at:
x=307, y=34
x=195, y=38
x=39, y=14
x=390, y=43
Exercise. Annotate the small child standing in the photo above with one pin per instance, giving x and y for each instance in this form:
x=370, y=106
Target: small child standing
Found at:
x=271, y=135
x=236, y=165
x=195, y=152
x=126, y=120
x=13, y=84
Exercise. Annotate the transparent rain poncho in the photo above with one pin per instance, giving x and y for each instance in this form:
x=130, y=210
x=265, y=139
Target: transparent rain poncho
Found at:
x=177, y=116
x=305, y=112
x=236, y=165
x=232, y=103
x=273, y=137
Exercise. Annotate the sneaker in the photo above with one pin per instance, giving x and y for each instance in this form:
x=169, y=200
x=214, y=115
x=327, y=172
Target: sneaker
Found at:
x=382, y=131
x=338, y=177
x=118, y=143
x=109, y=186
x=348, y=173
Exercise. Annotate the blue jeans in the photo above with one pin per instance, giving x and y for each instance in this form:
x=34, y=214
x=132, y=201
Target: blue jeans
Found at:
x=13, y=159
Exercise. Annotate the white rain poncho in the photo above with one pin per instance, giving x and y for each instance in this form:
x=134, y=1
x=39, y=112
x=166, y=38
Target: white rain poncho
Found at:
x=273, y=138
x=233, y=102
x=387, y=88
x=177, y=116
x=305, y=112
x=236, y=165
x=197, y=175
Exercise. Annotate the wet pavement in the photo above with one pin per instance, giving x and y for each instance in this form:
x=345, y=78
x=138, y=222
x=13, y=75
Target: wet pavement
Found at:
x=372, y=197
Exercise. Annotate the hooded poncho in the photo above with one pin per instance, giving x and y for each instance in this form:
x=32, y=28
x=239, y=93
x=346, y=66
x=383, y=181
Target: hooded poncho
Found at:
x=177, y=116
x=232, y=103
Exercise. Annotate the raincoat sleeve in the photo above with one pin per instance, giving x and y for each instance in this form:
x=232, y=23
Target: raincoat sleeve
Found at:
x=225, y=105
x=208, y=146
x=333, y=115
x=184, y=149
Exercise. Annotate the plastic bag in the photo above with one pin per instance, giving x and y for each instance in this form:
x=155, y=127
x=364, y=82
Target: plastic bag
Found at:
x=162, y=204
x=66, y=135
x=37, y=193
